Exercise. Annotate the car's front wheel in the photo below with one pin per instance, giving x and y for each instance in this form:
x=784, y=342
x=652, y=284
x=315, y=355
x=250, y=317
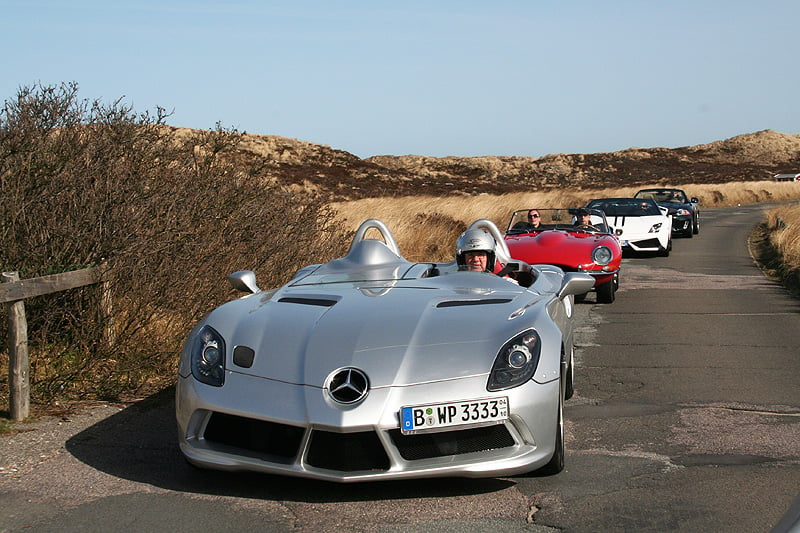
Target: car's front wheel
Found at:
x=696, y=225
x=569, y=384
x=556, y=463
x=606, y=292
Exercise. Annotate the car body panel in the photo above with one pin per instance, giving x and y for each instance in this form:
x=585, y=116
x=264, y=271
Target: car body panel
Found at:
x=417, y=338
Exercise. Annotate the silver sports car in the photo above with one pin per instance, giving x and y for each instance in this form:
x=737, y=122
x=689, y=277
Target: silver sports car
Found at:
x=371, y=367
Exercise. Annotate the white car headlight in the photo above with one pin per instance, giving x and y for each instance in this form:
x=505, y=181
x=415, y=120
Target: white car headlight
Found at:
x=602, y=255
x=655, y=228
x=515, y=362
x=208, y=357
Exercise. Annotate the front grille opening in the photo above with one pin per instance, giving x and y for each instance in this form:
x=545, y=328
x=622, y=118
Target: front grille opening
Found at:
x=266, y=438
x=647, y=243
x=428, y=445
x=347, y=452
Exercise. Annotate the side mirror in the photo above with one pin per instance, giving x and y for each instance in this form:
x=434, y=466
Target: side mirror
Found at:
x=695, y=200
x=575, y=283
x=244, y=280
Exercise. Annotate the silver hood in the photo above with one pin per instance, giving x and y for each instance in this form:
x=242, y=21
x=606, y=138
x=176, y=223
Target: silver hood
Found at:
x=399, y=334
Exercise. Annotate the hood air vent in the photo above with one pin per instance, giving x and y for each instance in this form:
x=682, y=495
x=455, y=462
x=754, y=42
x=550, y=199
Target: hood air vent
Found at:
x=322, y=302
x=483, y=301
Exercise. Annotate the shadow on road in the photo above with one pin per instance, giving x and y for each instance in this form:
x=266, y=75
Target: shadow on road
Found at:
x=140, y=444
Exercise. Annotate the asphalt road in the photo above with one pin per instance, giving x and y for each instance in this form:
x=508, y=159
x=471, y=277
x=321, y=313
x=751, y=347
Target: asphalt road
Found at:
x=686, y=418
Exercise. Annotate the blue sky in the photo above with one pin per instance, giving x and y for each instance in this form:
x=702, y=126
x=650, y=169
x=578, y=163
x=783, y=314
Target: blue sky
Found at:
x=436, y=78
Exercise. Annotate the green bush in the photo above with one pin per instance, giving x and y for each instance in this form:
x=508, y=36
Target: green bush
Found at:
x=85, y=183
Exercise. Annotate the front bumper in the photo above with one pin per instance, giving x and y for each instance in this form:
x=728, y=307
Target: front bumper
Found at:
x=641, y=245
x=682, y=224
x=234, y=431
x=601, y=278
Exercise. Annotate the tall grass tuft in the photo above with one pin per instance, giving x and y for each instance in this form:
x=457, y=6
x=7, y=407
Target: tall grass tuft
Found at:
x=783, y=225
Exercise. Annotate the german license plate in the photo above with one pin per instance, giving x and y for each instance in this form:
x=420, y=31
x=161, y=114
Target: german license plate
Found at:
x=441, y=416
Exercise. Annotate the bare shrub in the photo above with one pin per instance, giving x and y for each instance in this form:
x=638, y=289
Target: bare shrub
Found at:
x=85, y=183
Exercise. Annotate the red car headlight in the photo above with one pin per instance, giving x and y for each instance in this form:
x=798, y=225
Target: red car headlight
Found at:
x=602, y=255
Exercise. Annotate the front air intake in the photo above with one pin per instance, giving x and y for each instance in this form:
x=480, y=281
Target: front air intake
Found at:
x=428, y=445
x=262, y=438
x=346, y=452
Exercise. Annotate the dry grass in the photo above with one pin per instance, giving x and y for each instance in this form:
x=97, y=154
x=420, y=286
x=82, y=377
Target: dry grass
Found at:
x=783, y=225
x=421, y=224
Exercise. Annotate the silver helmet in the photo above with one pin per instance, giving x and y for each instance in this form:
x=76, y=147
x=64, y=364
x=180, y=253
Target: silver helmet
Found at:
x=475, y=240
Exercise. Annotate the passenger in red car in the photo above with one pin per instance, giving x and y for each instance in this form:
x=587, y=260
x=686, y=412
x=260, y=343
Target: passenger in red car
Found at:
x=532, y=223
x=534, y=219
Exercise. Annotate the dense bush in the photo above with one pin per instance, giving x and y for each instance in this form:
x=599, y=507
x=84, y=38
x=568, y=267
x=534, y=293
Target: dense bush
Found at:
x=85, y=183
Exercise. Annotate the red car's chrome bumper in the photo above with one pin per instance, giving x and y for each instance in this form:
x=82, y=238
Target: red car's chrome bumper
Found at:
x=601, y=277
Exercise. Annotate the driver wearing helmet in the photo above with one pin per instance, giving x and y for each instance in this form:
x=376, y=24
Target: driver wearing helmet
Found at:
x=475, y=251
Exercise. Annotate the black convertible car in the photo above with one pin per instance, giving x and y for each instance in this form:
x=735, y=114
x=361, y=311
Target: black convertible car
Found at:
x=685, y=211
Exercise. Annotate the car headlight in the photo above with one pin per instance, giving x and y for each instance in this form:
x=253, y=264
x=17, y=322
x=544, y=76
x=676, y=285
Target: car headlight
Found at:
x=602, y=255
x=682, y=212
x=515, y=362
x=655, y=228
x=208, y=357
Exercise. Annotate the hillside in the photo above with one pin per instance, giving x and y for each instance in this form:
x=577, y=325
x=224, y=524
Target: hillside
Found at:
x=343, y=176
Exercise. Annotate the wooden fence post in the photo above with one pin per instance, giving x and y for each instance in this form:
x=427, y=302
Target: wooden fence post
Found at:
x=18, y=361
x=13, y=292
x=107, y=306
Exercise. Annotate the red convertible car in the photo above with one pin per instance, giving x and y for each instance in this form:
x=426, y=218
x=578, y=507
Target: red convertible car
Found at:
x=574, y=239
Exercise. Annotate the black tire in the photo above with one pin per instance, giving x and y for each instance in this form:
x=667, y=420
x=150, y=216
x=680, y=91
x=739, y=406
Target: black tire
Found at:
x=580, y=297
x=569, y=382
x=556, y=463
x=696, y=226
x=606, y=292
x=664, y=252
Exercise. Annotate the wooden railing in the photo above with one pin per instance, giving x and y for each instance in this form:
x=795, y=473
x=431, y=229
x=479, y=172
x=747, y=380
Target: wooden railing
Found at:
x=13, y=292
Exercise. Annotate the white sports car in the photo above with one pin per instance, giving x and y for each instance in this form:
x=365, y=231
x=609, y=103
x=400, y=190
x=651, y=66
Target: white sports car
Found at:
x=372, y=367
x=640, y=224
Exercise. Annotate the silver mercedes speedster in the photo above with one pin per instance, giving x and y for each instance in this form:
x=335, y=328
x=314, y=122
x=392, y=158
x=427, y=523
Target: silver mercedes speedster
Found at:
x=371, y=367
